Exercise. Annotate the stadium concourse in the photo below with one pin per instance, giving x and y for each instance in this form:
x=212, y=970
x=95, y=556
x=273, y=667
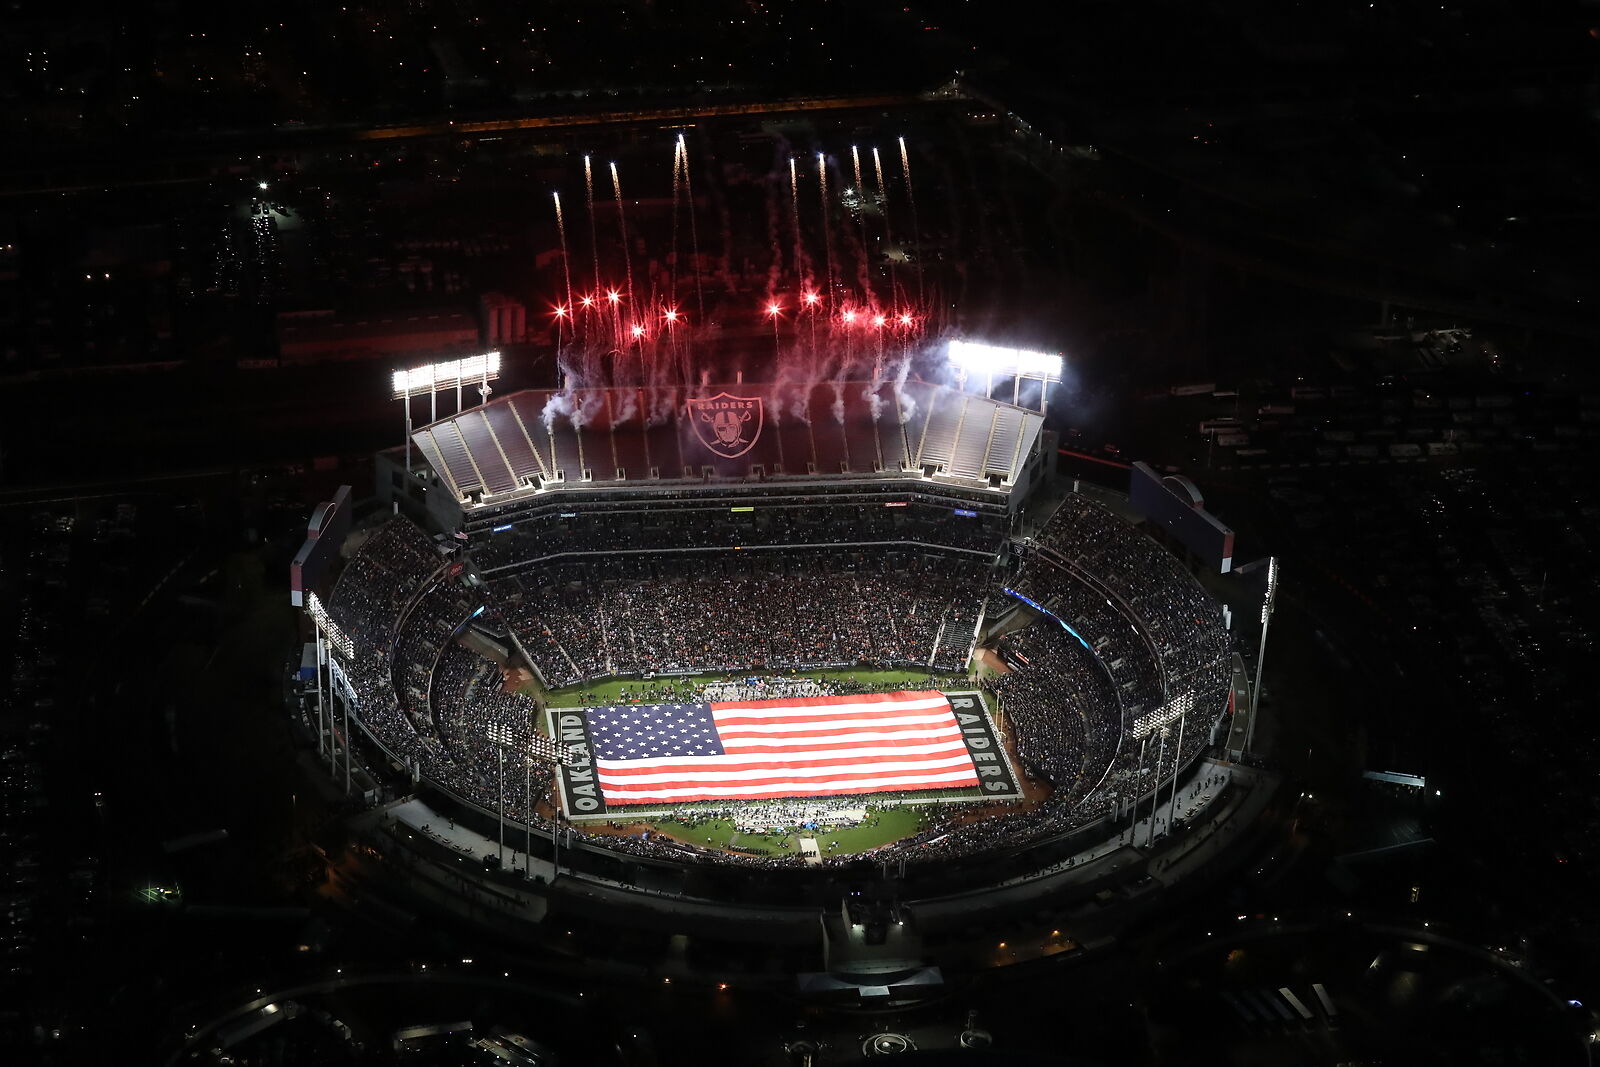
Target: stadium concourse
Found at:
x=1118, y=664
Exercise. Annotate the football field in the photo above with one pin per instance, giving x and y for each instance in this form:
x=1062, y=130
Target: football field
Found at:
x=609, y=691
x=667, y=760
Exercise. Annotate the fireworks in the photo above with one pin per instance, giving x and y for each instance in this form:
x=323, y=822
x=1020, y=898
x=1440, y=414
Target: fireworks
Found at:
x=826, y=331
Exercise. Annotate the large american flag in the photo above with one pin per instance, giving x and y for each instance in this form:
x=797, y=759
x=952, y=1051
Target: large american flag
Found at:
x=763, y=749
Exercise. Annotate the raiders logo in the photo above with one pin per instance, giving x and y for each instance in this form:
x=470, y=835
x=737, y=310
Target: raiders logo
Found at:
x=727, y=425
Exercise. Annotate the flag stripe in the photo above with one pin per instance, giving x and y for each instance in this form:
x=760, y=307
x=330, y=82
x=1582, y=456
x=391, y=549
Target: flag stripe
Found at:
x=767, y=726
x=827, y=707
x=779, y=788
x=806, y=768
x=748, y=750
x=853, y=754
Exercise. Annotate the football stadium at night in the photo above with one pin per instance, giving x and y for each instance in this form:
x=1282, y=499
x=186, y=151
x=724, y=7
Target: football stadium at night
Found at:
x=724, y=658
x=782, y=509
x=774, y=623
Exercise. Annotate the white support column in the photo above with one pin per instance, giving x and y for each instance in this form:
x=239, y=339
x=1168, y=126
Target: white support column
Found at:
x=1268, y=606
x=1172, y=807
x=321, y=719
x=1156, y=794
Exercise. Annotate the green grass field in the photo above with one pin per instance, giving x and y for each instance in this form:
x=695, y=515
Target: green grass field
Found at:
x=610, y=690
x=881, y=827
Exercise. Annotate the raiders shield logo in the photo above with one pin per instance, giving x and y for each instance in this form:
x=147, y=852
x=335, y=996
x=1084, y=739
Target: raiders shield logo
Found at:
x=727, y=425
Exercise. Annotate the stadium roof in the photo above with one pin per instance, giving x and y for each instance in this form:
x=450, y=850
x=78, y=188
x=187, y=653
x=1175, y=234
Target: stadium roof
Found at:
x=541, y=439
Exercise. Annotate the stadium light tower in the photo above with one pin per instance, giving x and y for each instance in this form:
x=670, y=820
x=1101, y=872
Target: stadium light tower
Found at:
x=1020, y=364
x=1269, y=604
x=329, y=638
x=501, y=736
x=1161, y=754
x=430, y=379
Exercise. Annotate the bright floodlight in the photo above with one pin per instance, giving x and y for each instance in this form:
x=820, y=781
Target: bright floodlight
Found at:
x=336, y=637
x=995, y=360
x=263, y=184
x=419, y=380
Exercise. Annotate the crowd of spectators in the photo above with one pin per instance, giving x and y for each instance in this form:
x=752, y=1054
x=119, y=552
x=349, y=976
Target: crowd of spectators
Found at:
x=580, y=621
x=549, y=536
x=1070, y=698
x=1182, y=622
x=468, y=699
x=424, y=633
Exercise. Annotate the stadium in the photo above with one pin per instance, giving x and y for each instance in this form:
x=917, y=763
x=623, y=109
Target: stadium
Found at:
x=722, y=659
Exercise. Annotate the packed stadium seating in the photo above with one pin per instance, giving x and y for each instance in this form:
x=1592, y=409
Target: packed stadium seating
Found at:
x=1143, y=633
x=694, y=613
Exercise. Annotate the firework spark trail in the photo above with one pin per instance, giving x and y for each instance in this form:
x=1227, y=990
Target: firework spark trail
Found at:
x=888, y=230
x=622, y=229
x=916, y=229
x=827, y=226
x=694, y=232
x=594, y=240
x=863, y=263
x=854, y=249
x=677, y=159
x=775, y=238
x=566, y=263
x=794, y=215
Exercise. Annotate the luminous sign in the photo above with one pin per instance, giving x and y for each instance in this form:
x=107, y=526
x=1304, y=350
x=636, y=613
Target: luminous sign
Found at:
x=727, y=425
x=501, y=529
x=966, y=514
x=1046, y=611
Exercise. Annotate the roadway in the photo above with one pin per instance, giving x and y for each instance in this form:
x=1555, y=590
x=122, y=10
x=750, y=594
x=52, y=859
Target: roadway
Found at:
x=203, y=155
